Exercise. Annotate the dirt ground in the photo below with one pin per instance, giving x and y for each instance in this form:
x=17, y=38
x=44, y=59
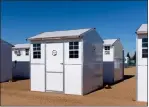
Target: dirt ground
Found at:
x=122, y=94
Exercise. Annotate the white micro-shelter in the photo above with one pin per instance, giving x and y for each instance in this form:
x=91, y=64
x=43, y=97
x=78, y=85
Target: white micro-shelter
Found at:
x=141, y=62
x=6, y=61
x=69, y=61
x=113, y=61
x=21, y=61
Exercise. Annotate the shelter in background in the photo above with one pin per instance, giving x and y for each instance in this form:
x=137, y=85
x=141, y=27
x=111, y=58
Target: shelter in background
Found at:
x=21, y=61
x=113, y=61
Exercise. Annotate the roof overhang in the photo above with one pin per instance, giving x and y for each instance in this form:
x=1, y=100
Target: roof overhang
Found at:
x=55, y=38
x=107, y=44
x=59, y=37
x=20, y=47
x=141, y=32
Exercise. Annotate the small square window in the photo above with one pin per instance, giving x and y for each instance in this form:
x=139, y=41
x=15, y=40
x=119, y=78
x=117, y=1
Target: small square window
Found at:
x=107, y=47
x=144, y=47
x=17, y=52
x=36, y=51
x=73, y=49
x=26, y=51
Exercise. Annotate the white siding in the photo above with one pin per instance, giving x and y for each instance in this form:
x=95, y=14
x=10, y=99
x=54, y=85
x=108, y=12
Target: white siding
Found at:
x=108, y=57
x=37, y=77
x=92, y=62
x=118, y=50
x=42, y=59
x=73, y=60
x=38, y=70
x=23, y=56
x=22, y=67
x=141, y=71
x=6, y=61
x=73, y=79
x=73, y=70
x=141, y=61
x=77, y=79
x=118, y=60
x=142, y=83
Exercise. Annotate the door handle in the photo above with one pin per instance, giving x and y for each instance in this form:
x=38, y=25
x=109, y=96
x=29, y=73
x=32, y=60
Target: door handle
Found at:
x=61, y=63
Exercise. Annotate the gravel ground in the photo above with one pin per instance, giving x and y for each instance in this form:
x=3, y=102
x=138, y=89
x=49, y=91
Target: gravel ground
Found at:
x=122, y=94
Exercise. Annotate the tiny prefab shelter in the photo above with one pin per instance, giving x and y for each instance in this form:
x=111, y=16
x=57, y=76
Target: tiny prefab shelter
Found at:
x=141, y=62
x=70, y=61
x=6, y=61
x=21, y=61
x=113, y=61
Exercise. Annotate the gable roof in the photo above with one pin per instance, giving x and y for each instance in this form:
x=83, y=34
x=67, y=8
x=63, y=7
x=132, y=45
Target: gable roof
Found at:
x=20, y=46
x=109, y=42
x=142, y=29
x=59, y=34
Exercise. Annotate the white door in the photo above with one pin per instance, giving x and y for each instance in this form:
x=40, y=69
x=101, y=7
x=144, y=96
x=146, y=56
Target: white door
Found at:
x=54, y=67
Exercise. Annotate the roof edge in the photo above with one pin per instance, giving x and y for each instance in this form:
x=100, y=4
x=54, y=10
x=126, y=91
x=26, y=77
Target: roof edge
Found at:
x=8, y=43
x=61, y=37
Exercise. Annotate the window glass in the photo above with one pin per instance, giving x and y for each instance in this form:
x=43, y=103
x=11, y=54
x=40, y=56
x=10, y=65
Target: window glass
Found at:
x=73, y=49
x=107, y=47
x=144, y=47
x=26, y=51
x=107, y=50
x=36, y=51
x=17, y=52
x=145, y=40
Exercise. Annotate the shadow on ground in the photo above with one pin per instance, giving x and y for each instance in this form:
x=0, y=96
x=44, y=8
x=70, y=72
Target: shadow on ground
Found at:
x=126, y=77
x=19, y=79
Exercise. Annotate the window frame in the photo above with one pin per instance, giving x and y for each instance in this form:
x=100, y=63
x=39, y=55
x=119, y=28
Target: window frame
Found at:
x=144, y=54
x=26, y=52
x=107, y=50
x=17, y=52
x=36, y=51
x=74, y=49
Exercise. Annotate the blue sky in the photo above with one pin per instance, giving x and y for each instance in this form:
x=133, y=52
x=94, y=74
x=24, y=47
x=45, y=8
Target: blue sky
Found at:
x=21, y=20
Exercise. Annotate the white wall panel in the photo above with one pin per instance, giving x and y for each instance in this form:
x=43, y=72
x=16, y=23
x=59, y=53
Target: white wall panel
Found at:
x=37, y=77
x=73, y=79
x=142, y=83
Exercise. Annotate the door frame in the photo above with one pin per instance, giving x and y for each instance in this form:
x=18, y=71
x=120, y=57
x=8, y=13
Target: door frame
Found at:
x=48, y=71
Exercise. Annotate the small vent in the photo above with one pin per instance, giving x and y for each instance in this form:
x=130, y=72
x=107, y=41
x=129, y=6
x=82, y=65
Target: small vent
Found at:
x=107, y=52
x=17, y=52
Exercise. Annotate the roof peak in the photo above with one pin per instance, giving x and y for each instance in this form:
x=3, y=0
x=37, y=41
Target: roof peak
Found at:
x=61, y=33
